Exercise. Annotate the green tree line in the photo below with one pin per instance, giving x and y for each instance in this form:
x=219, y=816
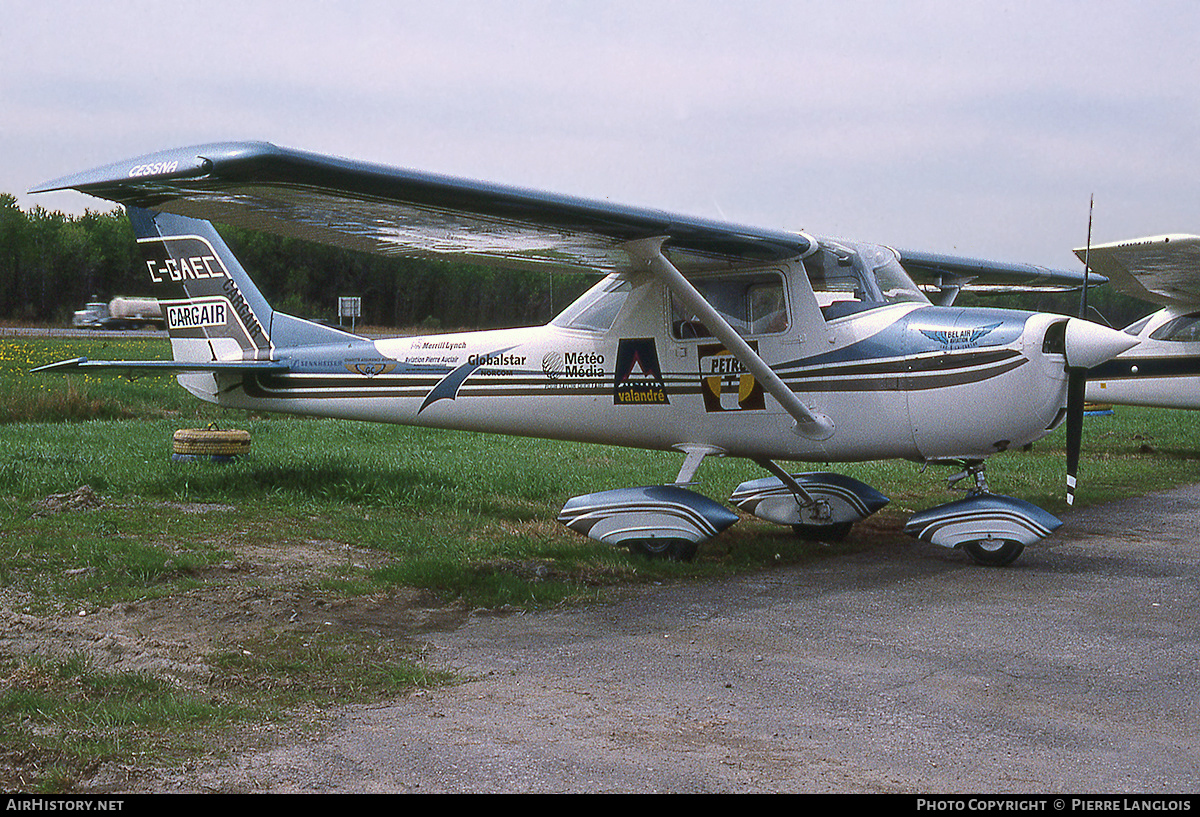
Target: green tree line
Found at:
x=51, y=264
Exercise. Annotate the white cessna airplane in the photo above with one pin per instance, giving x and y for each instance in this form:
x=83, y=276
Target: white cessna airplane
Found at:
x=704, y=338
x=1163, y=370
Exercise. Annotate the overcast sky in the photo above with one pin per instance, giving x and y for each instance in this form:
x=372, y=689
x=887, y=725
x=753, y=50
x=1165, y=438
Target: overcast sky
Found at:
x=975, y=128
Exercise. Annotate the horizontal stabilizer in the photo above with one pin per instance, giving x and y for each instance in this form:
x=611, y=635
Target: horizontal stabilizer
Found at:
x=166, y=366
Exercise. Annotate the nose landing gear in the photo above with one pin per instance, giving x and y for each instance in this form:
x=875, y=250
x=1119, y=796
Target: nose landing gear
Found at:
x=993, y=529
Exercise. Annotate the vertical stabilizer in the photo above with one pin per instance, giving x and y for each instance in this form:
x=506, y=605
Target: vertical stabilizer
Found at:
x=212, y=309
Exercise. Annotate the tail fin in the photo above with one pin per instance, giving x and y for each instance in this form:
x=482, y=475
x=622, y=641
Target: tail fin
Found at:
x=212, y=308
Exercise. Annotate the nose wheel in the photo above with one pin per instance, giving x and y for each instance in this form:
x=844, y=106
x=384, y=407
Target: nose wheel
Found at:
x=989, y=552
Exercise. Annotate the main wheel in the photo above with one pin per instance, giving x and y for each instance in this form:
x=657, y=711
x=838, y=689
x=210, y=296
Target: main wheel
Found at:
x=994, y=552
x=675, y=550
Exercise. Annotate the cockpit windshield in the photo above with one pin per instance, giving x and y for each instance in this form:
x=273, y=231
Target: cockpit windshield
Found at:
x=1183, y=329
x=850, y=277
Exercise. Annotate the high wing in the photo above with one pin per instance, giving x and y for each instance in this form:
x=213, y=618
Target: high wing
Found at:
x=952, y=274
x=399, y=212
x=416, y=214
x=1162, y=269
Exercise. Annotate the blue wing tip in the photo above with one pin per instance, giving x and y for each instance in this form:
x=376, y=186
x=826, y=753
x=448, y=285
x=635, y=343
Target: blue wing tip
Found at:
x=174, y=163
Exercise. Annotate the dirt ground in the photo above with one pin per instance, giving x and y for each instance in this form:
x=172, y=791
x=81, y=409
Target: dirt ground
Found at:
x=263, y=589
x=901, y=668
x=170, y=636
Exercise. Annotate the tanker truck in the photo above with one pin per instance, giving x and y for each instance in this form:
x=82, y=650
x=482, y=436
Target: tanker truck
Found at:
x=120, y=313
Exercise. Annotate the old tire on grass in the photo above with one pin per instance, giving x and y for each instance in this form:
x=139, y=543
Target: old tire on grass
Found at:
x=210, y=442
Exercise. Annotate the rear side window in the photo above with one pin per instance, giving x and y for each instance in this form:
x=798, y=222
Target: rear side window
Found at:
x=597, y=309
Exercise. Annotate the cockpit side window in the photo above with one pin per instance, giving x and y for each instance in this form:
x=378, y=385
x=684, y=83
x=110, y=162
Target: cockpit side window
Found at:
x=1184, y=329
x=752, y=303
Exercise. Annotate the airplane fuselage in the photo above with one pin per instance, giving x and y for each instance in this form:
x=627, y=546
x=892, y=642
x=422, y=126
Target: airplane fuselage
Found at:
x=904, y=380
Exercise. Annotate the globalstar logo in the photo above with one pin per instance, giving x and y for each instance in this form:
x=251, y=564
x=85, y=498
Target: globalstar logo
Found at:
x=496, y=359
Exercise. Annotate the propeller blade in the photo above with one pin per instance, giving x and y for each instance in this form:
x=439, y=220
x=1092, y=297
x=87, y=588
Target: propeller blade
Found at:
x=1077, y=379
x=1076, y=389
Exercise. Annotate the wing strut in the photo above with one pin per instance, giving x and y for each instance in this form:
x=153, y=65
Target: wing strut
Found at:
x=802, y=496
x=810, y=424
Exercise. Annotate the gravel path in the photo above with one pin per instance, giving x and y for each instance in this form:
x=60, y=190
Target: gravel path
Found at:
x=902, y=669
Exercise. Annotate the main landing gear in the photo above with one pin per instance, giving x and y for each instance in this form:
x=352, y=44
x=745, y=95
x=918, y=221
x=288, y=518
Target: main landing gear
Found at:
x=817, y=505
x=671, y=521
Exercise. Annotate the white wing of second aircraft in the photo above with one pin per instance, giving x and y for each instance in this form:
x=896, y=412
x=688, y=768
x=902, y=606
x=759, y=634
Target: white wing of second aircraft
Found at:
x=1163, y=370
x=1162, y=269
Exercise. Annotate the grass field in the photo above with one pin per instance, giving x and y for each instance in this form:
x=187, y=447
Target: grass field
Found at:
x=468, y=519
x=436, y=502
